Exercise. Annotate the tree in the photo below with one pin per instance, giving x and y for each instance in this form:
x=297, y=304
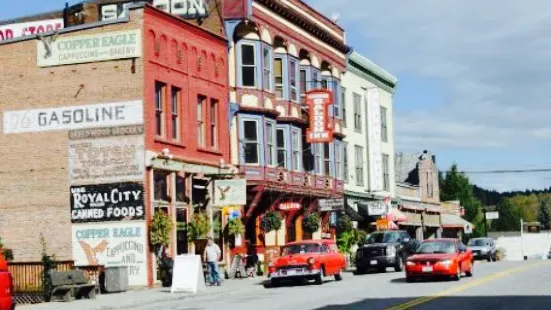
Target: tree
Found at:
x=543, y=215
x=509, y=216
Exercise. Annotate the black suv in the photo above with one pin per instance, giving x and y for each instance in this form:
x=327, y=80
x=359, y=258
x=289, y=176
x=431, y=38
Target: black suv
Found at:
x=384, y=249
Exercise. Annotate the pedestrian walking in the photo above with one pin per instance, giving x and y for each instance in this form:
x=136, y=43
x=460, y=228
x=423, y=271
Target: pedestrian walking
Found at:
x=212, y=257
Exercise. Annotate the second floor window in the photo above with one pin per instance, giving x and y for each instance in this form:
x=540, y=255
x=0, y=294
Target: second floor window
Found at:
x=250, y=142
x=303, y=76
x=386, y=174
x=359, y=152
x=338, y=160
x=318, y=160
x=279, y=78
x=345, y=162
x=327, y=159
x=248, y=65
x=175, y=113
x=281, y=148
x=295, y=145
x=384, y=129
x=213, y=117
x=357, y=112
x=201, y=102
x=159, y=108
x=270, y=146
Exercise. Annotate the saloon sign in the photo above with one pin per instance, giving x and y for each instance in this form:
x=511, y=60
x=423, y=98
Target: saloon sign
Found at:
x=107, y=202
x=318, y=105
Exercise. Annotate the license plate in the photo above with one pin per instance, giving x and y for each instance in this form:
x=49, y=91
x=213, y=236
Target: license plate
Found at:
x=427, y=269
x=291, y=272
x=373, y=262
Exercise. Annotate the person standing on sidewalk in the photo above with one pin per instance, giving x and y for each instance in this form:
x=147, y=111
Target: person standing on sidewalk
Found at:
x=212, y=257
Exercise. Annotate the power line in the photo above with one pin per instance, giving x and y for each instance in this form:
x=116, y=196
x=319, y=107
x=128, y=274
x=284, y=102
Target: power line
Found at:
x=505, y=171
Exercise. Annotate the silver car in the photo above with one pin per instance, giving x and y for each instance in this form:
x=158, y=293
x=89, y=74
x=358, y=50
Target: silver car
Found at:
x=483, y=248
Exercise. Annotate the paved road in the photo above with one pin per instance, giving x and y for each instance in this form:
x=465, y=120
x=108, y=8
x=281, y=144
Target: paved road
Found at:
x=502, y=285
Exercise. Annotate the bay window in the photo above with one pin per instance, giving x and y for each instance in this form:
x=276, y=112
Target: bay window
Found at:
x=336, y=98
x=294, y=78
x=251, y=142
x=315, y=78
x=296, y=148
x=343, y=104
x=270, y=143
x=303, y=87
x=318, y=158
x=248, y=64
x=267, y=67
x=281, y=147
x=279, y=73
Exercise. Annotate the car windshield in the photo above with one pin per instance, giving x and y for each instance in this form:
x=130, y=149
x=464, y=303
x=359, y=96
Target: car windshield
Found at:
x=478, y=242
x=301, y=248
x=382, y=238
x=437, y=247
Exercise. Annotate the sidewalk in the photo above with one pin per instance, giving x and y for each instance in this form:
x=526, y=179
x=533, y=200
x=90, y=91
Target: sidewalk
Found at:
x=147, y=296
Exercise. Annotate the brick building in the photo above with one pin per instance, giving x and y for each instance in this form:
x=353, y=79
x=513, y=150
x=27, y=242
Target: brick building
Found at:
x=279, y=50
x=418, y=194
x=107, y=121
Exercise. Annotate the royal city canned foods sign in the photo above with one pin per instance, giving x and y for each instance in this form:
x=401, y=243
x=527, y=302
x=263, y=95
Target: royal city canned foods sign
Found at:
x=89, y=48
x=107, y=202
x=318, y=105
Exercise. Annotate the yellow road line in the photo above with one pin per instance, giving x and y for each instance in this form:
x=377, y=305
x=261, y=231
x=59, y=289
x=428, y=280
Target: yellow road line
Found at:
x=457, y=289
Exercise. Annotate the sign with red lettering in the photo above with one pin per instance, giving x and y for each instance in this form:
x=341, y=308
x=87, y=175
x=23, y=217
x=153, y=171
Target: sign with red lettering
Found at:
x=12, y=31
x=289, y=206
x=318, y=102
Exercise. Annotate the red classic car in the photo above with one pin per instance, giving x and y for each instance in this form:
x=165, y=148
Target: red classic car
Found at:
x=6, y=286
x=440, y=257
x=307, y=260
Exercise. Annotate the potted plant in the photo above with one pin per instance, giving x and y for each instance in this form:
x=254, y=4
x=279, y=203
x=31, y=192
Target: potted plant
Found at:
x=197, y=228
x=311, y=223
x=160, y=230
x=271, y=221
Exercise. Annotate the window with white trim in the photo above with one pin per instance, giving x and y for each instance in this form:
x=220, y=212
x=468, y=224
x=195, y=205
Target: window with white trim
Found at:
x=326, y=159
x=384, y=128
x=175, y=112
x=213, y=117
x=160, y=88
x=343, y=103
x=248, y=65
x=359, y=151
x=318, y=158
x=338, y=160
x=345, y=162
x=250, y=142
x=201, y=103
x=303, y=88
x=357, y=112
x=336, y=99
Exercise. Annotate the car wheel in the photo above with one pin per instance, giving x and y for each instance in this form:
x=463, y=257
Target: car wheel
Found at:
x=409, y=279
x=494, y=258
x=319, y=279
x=275, y=282
x=361, y=270
x=469, y=272
x=338, y=276
x=382, y=269
x=489, y=258
x=457, y=276
x=399, y=264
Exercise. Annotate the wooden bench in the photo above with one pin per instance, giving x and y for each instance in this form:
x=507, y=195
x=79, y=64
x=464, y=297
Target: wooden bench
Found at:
x=68, y=285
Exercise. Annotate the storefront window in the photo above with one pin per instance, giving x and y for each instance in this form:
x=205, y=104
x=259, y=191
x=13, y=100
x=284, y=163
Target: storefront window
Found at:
x=291, y=231
x=181, y=190
x=161, y=188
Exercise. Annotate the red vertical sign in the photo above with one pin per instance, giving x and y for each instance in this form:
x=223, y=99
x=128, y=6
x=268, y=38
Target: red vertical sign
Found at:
x=318, y=102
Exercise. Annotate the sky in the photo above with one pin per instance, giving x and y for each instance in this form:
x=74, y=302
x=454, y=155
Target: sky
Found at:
x=473, y=87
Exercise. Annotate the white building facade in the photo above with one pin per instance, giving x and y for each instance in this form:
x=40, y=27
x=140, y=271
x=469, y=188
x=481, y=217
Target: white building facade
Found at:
x=367, y=96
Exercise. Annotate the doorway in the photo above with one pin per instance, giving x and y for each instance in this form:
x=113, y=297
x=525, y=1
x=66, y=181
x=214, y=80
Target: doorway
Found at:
x=181, y=232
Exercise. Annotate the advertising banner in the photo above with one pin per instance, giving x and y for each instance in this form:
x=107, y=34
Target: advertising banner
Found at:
x=89, y=48
x=106, y=160
x=13, y=31
x=230, y=192
x=113, y=245
x=318, y=102
x=74, y=117
x=107, y=202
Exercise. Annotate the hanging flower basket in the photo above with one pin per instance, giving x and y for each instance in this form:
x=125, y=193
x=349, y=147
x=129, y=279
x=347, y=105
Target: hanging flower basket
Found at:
x=235, y=227
x=271, y=221
x=311, y=223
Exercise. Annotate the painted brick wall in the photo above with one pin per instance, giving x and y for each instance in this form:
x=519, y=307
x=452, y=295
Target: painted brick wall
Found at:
x=34, y=181
x=428, y=177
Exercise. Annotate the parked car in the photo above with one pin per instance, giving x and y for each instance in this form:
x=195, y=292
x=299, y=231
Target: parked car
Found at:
x=483, y=248
x=307, y=260
x=440, y=258
x=385, y=249
x=6, y=286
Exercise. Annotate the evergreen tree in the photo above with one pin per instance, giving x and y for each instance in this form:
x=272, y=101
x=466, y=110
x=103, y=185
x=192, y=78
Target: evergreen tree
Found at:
x=543, y=215
x=509, y=216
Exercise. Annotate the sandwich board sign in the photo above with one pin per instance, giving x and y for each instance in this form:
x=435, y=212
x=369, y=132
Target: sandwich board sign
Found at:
x=187, y=275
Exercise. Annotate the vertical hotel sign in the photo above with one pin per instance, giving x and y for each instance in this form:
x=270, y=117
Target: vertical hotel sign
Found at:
x=374, y=140
x=318, y=102
x=53, y=51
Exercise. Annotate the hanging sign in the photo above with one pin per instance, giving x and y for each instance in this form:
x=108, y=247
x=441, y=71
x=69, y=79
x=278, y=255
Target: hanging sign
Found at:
x=318, y=102
x=289, y=206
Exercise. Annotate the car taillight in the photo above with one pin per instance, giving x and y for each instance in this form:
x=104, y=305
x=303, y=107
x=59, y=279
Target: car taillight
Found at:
x=410, y=263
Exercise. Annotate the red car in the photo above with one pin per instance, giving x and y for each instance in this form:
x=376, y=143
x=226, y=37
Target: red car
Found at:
x=6, y=286
x=440, y=258
x=307, y=260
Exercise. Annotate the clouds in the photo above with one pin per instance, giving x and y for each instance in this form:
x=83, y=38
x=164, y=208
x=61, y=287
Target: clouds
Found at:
x=492, y=58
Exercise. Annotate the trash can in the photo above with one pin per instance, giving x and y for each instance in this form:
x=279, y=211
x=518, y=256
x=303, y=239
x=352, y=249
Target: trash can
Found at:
x=116, y=279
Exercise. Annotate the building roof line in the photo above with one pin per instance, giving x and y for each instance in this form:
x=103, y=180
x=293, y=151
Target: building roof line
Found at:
x=375, y=70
